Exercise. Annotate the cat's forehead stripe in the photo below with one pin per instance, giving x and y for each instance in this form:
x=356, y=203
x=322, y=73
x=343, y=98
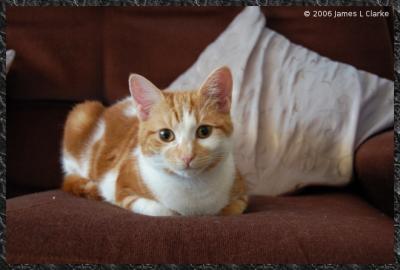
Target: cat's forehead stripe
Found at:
x=181, y=104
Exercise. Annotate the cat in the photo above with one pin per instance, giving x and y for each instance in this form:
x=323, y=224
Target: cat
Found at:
x=157, y=153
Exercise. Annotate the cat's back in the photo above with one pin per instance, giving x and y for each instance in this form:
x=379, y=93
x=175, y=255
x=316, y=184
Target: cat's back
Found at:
x=96, y=138
x=120, y=121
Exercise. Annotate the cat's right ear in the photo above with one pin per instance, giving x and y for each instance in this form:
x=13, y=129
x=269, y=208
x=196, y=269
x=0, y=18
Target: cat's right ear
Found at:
x=145, y=94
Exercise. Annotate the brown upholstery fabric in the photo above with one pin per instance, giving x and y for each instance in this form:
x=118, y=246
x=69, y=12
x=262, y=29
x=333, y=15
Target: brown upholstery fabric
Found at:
x=59, y=53
x=375, y=171
x=87, y=53
x=55, y=227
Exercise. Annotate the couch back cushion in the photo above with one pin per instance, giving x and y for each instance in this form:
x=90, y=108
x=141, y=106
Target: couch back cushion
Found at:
x=88, y=53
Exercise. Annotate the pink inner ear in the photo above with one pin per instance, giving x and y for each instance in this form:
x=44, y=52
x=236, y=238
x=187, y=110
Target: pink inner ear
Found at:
x=225, y=105
x=143, y=102
x=144, y=93
x=219, y=86
x=143, y=114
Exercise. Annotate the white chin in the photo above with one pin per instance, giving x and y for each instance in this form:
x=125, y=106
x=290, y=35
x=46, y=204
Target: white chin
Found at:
x=186, y=173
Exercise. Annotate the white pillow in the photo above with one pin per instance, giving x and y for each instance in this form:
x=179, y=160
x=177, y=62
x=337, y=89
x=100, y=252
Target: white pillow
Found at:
x=10, y=55
x=298, y=116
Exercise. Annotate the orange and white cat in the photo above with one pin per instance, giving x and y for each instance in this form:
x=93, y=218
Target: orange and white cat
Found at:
x=157, y=153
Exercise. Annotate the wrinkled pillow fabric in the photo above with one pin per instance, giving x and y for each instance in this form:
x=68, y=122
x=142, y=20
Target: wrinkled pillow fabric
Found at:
x=298, y=116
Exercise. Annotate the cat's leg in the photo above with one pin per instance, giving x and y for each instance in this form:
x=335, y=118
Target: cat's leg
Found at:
x=238, y=198
x=144, y=206
x=81, y=186
x=235, y=207
x=151, y=208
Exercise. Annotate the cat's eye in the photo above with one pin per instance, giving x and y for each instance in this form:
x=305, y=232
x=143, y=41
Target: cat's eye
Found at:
x=166, y=135
x=203, y=131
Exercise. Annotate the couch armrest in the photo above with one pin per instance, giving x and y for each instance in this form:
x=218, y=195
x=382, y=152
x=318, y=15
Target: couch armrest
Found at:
x=374, y=170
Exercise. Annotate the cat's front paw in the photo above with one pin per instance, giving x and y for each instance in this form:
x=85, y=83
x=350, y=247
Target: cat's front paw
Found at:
x=236, y=207
x=151, y=208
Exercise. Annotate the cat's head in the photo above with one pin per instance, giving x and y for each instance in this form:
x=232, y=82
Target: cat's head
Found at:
x=185, y=133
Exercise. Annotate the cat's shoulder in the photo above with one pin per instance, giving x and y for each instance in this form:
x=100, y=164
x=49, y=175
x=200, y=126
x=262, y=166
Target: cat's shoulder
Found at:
x=126, y=107
x=122, y=110
x=120, y=117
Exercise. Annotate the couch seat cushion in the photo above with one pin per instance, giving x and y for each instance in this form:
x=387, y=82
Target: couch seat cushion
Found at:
x=336, y=227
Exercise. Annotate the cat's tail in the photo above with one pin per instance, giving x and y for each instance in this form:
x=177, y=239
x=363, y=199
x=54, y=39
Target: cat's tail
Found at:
x=81, y=186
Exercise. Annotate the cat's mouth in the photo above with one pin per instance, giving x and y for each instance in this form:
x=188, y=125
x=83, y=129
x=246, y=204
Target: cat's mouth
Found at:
x=192, y=170
x=189, y=173
x=186, y=172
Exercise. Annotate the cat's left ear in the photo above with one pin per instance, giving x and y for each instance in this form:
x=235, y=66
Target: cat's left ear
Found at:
x=145, y=94
x=218, y=86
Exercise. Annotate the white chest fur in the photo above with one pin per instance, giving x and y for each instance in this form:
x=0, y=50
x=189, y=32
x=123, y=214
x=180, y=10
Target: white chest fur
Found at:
x=206, y=194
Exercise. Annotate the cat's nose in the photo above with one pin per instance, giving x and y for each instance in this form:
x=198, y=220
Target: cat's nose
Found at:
x=187, y=159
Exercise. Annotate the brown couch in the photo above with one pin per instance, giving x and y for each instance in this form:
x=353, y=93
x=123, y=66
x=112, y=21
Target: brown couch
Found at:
x=67, y=55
